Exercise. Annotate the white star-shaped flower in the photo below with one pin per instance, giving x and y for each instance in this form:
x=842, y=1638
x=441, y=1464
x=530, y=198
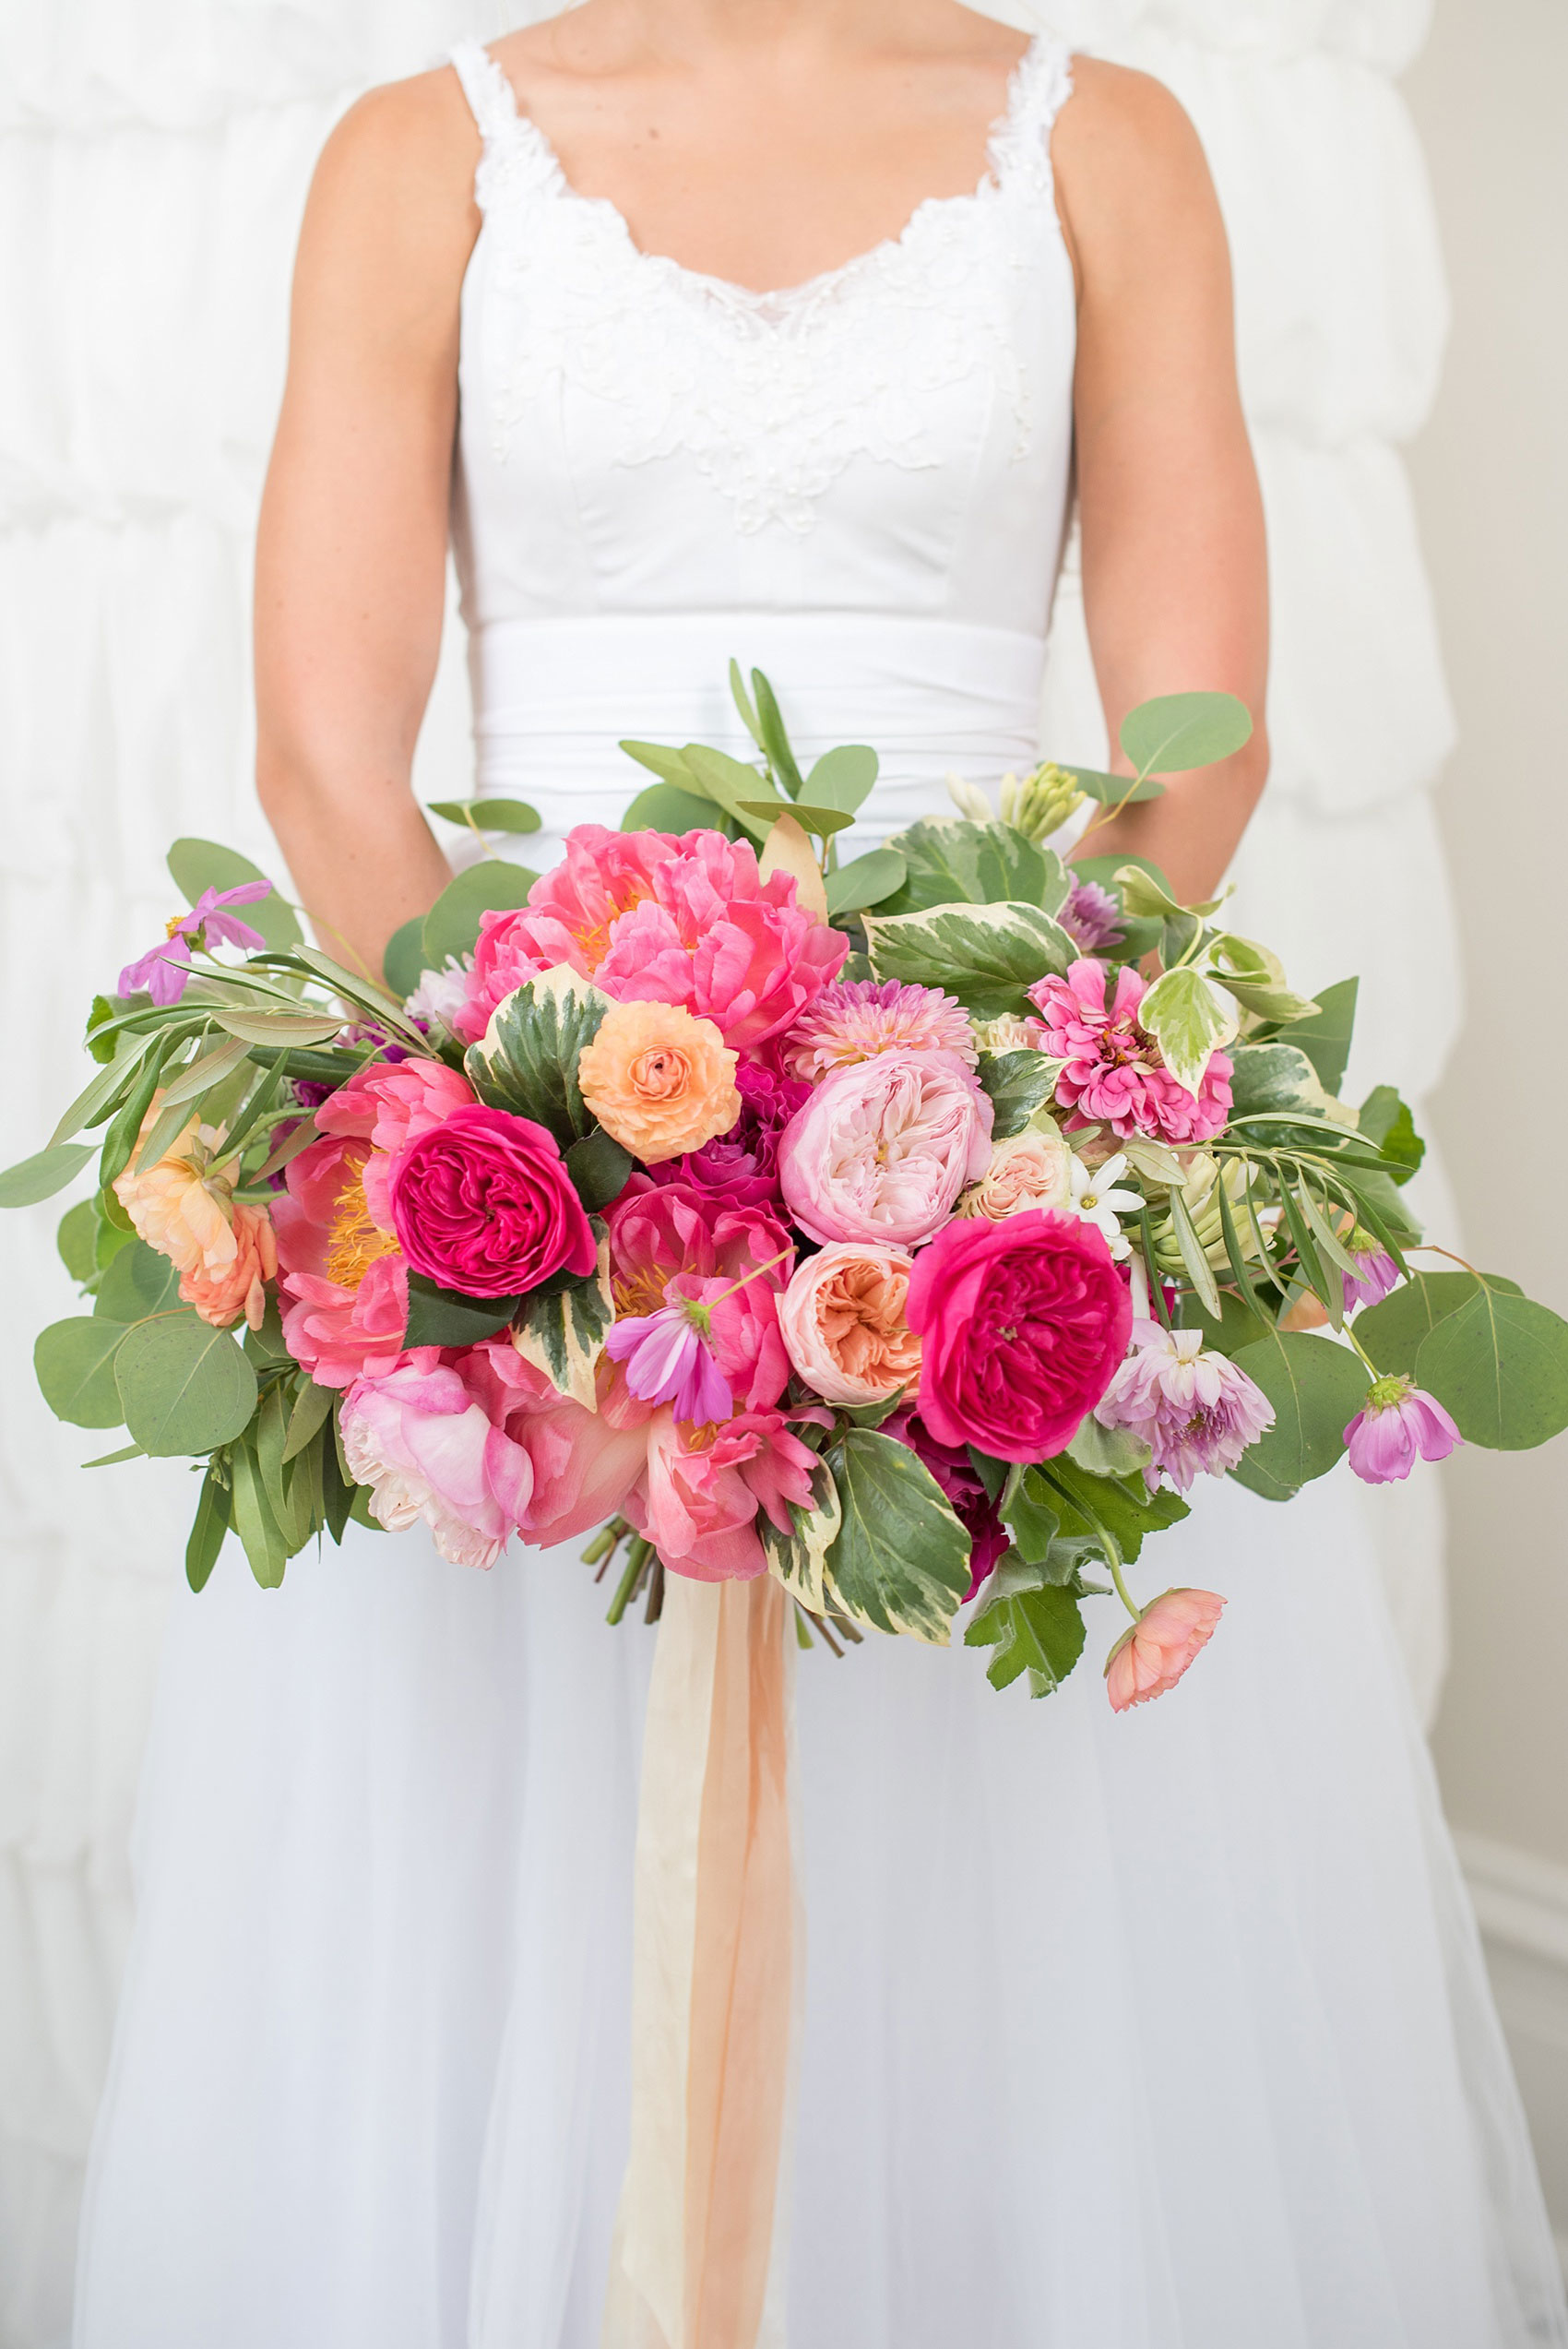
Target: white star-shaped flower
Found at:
x=1096, y=1201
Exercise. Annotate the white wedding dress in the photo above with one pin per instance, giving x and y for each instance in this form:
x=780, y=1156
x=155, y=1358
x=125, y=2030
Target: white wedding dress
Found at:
x=1162, y=2032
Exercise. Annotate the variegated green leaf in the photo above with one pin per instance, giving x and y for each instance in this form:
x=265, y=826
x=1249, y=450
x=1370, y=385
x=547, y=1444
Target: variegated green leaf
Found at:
x=1188, y=1021
x=900, y=1561
x=527, y=1060
x=797, y=1559
x=563, y=1334
x=989, y=956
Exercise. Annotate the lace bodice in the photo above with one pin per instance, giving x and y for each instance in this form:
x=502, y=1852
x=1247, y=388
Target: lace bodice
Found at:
x=893, y=436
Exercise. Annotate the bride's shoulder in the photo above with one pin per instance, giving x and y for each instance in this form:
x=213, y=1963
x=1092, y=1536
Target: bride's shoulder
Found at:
x=415, y=135
x=1131, y=173
x=391, y=219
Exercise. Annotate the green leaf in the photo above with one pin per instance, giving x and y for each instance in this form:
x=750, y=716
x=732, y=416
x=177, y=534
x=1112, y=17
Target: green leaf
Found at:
x=266, y=1347
x=774, y=735
x=491, y=885
x=600, y=1168
x=94, y=1100
x=1177, y=732
x=270, y=1435
x=488, y=815
x=207, y=1532
x=1394, y=1331
x=1275, y=1076
x=440, y=1316
x=261, y=1027
x=1038, y=1632
x=1316, y=1388
x=843, y=778
x=1187, y=1019
x=989, y=956
x=205, y=1074
x=403, y=964
x=957, y=862
x=799, y=1558
x=823, y=821
x=99, y=1017
x=1389, y=1127
x=1018, y=1084
x=1114, y=790
x=74, y=1362
x=1200, y=1272
x=40, y=1176
x=1500, y=1368
x=206, y=864
x=121, y=1138
x=743, y=703
x=1122, y=1507
x=667, y=807
x=1028, y=1514
x=527, y=1060
x=1115, y=1451
x=312, y=1410
x=184, y=1386
x=738, y=789
x=1145, y=889
x=76, y=1241
x=1325, y=1037
x=338, y=1489
x=865, y=881
x=113, y=1459
x=257, y=1528
x=140, y=1281
x=901, y=1559
x=563, y=1333
x=668, y=765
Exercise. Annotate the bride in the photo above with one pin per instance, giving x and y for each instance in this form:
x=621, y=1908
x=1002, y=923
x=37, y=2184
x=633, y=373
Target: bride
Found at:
x=783, y=329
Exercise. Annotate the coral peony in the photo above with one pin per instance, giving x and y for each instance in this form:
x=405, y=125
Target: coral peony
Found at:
x=1023, y=1324
x=658, y=1080
x=670, y=1245
x=699, y=1497
x=222, y=1291
x=883, y=1149
x=482, y=1203
x=856, y=1019
x=741, y=1167
x=1195, y=1410
x=1112, y=1070
x=843, y=1320
x=428, y=1448
x=653, y=919
x=1151, y=1656
x=584, y=1465
x=1031, y=1169
x=342, y=1272
x=953, y=1469
x=1400, y=1425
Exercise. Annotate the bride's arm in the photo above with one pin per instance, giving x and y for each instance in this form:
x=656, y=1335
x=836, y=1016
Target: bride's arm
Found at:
x=1175, y=577
x=352, y=555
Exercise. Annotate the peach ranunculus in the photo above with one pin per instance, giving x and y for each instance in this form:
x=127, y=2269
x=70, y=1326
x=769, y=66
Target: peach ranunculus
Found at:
x=1153, y=1653
x=659, y=1082
x=1031, y=1169
x=225, y=1253
x=842, y=1317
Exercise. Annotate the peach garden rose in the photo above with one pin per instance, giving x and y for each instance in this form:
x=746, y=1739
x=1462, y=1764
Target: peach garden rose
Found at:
x=224, y=1252
x=1029, y=1170
x=842, y=1317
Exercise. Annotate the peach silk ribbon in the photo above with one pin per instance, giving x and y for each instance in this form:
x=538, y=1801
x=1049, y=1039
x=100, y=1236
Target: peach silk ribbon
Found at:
x=717, y=1952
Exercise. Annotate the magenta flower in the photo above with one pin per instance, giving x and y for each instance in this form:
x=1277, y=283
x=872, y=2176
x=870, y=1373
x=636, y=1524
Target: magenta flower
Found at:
x=856, y=1019
x=165, y=970
x=1197, y=1411
x=1400, y=1425
x=1112, y=1068
x=667, y=1361
x=1091, y=917
x=1376, y=1272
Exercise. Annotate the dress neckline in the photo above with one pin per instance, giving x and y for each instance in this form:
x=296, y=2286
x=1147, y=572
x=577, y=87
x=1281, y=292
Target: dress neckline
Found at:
x=507, y=119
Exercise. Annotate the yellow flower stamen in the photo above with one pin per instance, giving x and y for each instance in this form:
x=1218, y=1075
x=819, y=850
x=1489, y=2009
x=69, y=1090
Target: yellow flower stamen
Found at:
x=358, y=1241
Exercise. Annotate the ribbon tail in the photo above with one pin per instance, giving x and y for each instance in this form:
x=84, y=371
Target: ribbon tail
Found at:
x=698, y=2256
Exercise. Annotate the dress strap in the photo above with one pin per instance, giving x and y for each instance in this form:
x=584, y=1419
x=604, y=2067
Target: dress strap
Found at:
x=486, y=88
x=1042, y=85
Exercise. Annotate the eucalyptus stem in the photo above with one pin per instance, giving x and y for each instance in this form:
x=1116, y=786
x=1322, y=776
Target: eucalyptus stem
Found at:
x=630, y=1582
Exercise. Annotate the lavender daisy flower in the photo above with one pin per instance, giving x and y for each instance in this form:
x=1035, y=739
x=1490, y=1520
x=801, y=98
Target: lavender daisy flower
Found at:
x=1092, y=917
x=163, y=971
x=1400, y=1425
x=1196, y=1411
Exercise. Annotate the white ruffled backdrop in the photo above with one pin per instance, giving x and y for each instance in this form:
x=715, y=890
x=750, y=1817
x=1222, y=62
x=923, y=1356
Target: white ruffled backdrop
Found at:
x=153, y=163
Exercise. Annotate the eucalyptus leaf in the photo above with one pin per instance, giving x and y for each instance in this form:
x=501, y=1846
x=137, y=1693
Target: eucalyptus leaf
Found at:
x=493, y=886
x=205, y=1073
x=1114, y=790
x=668, y=765
x=487, y=815
x=1326, y=1038
x=989, y=956
x=900, y=1561
x=258, y=1530
x=183, y=1386
x=1499, y=1366
x=958, y=861
x=74, y=1362
x=669, y=807
x=77, y=1240
x=403, y=964
x=774, y=735
x=1178, y=732
x=823, y=821
x=40, y=1176
x=867, y=881
x=139, y=1282
x=738, y=789
x=312, y=1409
x=527, y=1059
x=1394, y=1331
x=95, y=1099
x=843, y=778
x=279, y=1027
x=208, y=1532
x=195, y=865
x=1316, y=1388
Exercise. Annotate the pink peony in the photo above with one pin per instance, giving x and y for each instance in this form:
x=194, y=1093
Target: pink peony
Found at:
x=342, y=1271
x=482, y=1203
x=883, y=1149
x=698, y=1499
x=1150, y=1657
x=670, y=1245
x=1196, y=1410
x=1023, y=1325
x=1400, y=1425
x=1112, y=1070
x=584, y=1464
x=428, y=1448
x=741, y=1167
x=953, y=1469
x=652, y=918
x=856, y=1019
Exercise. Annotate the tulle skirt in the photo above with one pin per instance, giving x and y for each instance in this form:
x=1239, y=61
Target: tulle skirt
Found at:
x=1167, y=2031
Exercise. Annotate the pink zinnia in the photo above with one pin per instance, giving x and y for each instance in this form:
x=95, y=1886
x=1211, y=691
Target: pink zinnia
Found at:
x=1149, y=1660
x=1195, y=1410
x=1112, y=1068
x=1400, y=1425
x=856, y=1019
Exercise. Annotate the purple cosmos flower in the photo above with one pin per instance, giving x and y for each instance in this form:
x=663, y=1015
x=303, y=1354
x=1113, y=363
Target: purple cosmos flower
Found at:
x=1197, y=1411
x=667, y=1363
x=165, y=970
x=1376, y=1272
x=1092, y=917
x=1399, y=1426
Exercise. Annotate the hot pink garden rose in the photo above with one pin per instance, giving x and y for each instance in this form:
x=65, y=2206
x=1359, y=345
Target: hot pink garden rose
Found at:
x=669, y=1242
x=1151, y=1656
x=653, y=919
x=429, y=1449
x=699, y=1497
x=1112, y=1070
x=482, y=1203
x=344, y=1281
x=1022, y=1325
x=884, y=1146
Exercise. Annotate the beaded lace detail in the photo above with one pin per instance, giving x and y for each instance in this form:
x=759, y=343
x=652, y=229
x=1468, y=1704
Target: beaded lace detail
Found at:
x=772, y=395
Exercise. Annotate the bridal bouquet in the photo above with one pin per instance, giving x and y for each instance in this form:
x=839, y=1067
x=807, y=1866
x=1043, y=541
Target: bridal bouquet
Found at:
x=915, y=1231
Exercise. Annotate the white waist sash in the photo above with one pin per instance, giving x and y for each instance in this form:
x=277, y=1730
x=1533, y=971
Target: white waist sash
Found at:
x=554, y=697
